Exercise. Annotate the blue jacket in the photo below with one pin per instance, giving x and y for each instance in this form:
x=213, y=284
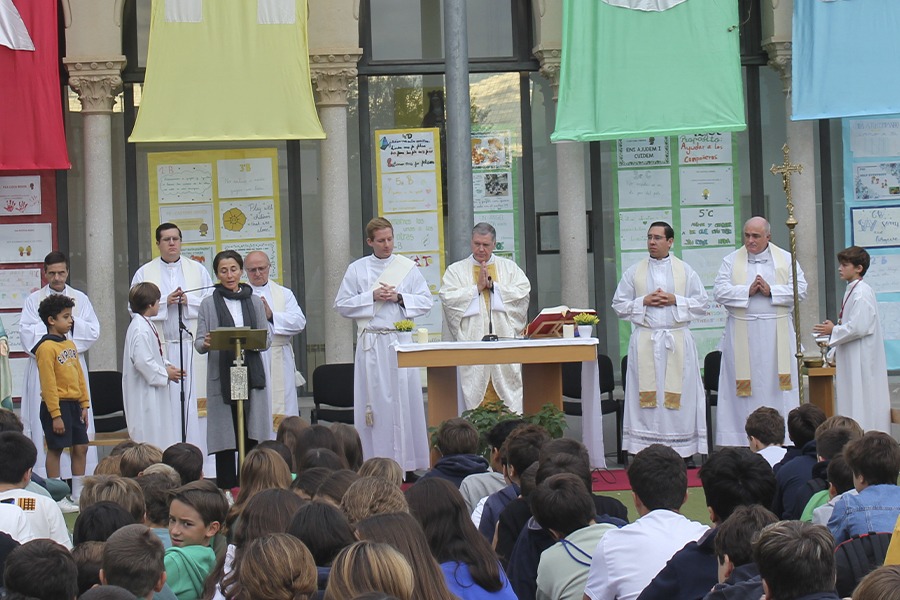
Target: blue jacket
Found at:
x=875, y=509
x=494, y=505
x=791, y=479
x=689, y=575
x=744, y=584
x=456, y=467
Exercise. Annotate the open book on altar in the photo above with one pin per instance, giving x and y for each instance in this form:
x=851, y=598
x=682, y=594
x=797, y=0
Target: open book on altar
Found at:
x=549, y=321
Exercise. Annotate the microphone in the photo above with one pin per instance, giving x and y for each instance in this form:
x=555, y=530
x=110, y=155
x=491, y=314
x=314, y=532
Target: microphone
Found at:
x=199, y=289
x=490, y=337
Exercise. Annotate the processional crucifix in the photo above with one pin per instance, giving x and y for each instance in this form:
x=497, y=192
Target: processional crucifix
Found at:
x=785, y=170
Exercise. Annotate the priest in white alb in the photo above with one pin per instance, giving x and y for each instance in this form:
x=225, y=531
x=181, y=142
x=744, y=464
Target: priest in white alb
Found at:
x=664, y=401
x=755, y=285
x=181, y=281
x=285, y=319
x=85, y=332
x=481, y=294
x=377, y=291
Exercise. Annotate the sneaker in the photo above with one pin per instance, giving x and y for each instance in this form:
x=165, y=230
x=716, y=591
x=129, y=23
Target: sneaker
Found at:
x=67, y=505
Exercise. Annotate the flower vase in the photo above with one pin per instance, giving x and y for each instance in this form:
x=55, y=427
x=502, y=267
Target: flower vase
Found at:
x=404, y=337
x=585, y=331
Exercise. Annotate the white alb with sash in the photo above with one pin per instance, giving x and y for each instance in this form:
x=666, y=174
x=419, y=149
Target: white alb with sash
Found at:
x=392, y=275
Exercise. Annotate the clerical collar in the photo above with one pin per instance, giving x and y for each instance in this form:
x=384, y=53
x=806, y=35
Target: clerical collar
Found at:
x=661, y=260
x=382, y=260
x=52, y=291
x=761, y=258
x=170, y=263
x=489, y=261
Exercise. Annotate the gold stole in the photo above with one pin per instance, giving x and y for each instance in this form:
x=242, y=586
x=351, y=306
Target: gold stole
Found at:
x=674, y=358
x=741, y=339
x=490, y=394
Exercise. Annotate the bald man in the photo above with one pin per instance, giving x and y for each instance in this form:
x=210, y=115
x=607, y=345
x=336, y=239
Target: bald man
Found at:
x=755, y=285
x=285, y=320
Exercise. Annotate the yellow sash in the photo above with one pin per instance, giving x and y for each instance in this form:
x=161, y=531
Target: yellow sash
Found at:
x=741, y=340
x=673, y=340
x=492, y=273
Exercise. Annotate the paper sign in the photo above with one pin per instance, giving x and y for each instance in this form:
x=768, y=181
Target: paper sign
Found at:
x=269, y=247
x=876, y=227
x=704, y=149
x=245, y=178
x=505, y=224
x=712, y=226
x=643, y=152
x=633, y=226
x=203, y=254
x=491, y=191
x=184, y=183
x=11, y=326
x=875, y=137
x=17, y=367
x=490, y=150
x=645, y=188
x=876, y=181
x=884, y=273
x=20, y=195
x=243, y=219
x=429, y=265
x=195, y=221
x=706, y=340
x=409, y=192
x=25, y=242
x=415, y=231
x=706, y=262
x=715, y=316
x=889, y=314
x=407, y=151
x=706, y=185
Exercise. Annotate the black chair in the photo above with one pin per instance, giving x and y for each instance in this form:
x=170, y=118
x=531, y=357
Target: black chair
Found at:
x=712, y=363
x=333, y=393
x=571, y=376
x=108, y=406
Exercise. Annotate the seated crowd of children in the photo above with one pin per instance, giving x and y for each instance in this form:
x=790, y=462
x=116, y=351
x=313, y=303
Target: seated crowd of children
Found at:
x=311, y=519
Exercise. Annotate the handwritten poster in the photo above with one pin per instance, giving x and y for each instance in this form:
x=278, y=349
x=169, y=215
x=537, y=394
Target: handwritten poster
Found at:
x=633, y=226
x=405, y=192
x=707, y=227
x=875, y=137
x=889, y=314
x=644, y=152
x=219, y=199
x=876, y=181
x=706, y=185
x=245, y=178
x=11, y=326
x=184, y=183
x=705, y=149
x=493, y=188
x=645, y=188
x=876, y=227
x=882, y=273
x=25, y=242
x=706, y=262
x=408, y=176
x=20, y=195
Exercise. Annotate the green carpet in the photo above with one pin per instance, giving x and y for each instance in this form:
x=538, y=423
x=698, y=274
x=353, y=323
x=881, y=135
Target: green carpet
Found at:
x=694, y=509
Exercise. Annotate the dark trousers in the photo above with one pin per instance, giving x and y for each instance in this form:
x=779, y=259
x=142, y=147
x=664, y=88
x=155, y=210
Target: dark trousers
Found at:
x=226, y=464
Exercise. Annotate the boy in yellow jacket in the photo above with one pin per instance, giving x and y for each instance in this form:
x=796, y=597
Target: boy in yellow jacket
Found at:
x=64, y=395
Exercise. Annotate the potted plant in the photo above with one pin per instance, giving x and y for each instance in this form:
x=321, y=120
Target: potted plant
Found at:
x=585, y=323
x=404, y=330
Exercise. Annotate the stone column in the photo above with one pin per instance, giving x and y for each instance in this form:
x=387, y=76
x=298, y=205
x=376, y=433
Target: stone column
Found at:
x=98, y=82
x=801, y=140
x=571, y=194
x=331, y=74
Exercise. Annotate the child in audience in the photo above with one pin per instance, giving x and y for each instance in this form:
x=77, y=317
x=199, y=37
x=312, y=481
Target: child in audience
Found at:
x=457, y=443
x=139, y=457
x=42, y=570
x=332, y=490
x=840, y=482
x=792, y=475
x=88, y=559
x=307, y=482
x=55, y=489
x=369, y=496
x=196, y=513
x=64, y=394
x=312, y=437
x=738, y=575
x=829, y=443
x=369, y=566
x=875, y=461
x=111, y=488
x=796, y=560
x=99, y=521
x=281, y=450
x=627, y=559
x=288, y=431
x=563, y=506
x=274, y=567
x=765, y=431
x=43, y=514
x=322, y=457
x=133, y=559
x=325, y=531
x=185, y=458
x=475, y=488
x=262, y=469
x=470, y=566
x=881, y=584
x=386, y=468
x=351, y=445
x=157, y=488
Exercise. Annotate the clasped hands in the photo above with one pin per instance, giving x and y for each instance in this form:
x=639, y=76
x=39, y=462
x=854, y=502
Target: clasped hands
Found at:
x=759, y=286
x=659, y=298
x=484, y=279
x=386, y=293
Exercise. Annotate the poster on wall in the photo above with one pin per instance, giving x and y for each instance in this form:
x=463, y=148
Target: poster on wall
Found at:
x=494, y=192
x=20, y=195
x=872, y=214
x=220, y=199
x=408, y=185
x=695, y=188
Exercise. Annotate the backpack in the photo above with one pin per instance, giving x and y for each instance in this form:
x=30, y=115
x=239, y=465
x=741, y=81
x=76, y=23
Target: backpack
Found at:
x=856, y=557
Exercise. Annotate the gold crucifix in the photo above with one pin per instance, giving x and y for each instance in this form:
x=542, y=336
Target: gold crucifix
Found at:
x=787, y=169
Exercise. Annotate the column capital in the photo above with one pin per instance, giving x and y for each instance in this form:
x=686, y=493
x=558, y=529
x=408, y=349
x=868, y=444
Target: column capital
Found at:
x=550, y=58
x=331, y=73
x=780, y=54
x=97, y=81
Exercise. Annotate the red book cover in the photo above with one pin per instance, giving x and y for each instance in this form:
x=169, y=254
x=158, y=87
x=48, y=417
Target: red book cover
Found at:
x=549, y=321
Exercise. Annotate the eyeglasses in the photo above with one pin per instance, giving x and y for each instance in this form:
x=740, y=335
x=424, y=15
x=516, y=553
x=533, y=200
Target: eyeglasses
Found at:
x=258, y=270
x=170, y=239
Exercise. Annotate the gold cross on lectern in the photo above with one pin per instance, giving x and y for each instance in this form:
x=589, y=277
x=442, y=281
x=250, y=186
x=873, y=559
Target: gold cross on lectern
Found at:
x=787, y=169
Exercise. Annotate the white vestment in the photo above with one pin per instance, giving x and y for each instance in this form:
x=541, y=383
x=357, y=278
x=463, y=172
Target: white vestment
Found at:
x=682, y=428
x=861, y=379
x=761, y=319
x=151, y=416
x=393, y=395
x=188, y=275
x=84, y=333
x=466, y=318
x=288, y=320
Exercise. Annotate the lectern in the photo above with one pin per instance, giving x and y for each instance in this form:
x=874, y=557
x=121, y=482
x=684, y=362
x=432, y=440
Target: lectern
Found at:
x=238, y=339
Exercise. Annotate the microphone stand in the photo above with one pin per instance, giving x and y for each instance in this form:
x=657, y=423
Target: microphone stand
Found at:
x=490, y=337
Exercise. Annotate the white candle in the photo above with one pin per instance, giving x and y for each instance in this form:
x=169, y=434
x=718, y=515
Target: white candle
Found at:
x=568, y=331
x=422, y=335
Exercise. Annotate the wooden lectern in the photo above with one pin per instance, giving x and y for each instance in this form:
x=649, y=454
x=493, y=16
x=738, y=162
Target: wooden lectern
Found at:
x=238, y=339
